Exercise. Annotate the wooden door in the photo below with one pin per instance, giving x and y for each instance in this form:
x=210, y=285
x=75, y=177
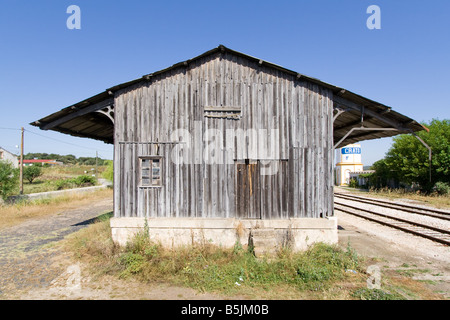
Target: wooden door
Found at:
x=248, y=190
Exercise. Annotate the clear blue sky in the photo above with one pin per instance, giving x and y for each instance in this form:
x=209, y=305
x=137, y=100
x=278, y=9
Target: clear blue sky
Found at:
x=45, y=67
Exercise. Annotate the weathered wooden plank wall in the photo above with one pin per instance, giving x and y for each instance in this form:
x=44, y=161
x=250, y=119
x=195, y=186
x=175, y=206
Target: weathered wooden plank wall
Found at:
x=284, y=124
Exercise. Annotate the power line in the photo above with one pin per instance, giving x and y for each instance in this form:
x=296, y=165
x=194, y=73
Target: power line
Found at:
x=69, y=143
x=9, y=128
x=54, y=139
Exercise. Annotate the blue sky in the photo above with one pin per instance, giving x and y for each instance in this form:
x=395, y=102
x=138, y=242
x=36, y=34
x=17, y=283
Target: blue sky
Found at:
x=45, y=67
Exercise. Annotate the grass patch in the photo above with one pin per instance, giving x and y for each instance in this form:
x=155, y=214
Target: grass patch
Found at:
x=59, y=184
x=63, y=177
x=412, y=272
x=322, y=272
x=376, y=294
x=434, y=200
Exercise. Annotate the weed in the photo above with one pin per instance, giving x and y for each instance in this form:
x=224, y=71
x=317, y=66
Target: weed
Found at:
x=133, y=263
x=411, y=272
x=237, y=248
x=80, y=181
x=319, y=272
x=433, y=199
x=211, y=268
x=375, y=294
x=442, y=188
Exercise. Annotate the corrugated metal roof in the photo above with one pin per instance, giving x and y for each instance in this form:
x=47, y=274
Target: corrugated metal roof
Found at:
x=81, y=120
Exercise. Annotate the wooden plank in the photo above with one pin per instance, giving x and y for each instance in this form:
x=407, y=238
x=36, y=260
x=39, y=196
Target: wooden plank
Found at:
x=266, y=100
x=222, y=108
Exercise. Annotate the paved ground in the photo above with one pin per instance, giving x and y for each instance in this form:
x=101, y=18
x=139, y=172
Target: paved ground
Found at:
x=27, y=259
x=32, y=268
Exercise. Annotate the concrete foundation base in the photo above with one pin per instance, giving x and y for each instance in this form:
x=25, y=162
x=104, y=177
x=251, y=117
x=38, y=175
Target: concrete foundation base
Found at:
x=265, y=235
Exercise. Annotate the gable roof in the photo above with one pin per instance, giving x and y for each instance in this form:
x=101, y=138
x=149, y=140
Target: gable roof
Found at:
x=4, y=150
x=89, y=118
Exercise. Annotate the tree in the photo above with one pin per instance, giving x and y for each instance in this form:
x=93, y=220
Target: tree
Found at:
x=31, y=173
x=109, y=171
x=67, y=159
x=384, y=175
x=407, y=160
x=8, y=179
x=87, y=161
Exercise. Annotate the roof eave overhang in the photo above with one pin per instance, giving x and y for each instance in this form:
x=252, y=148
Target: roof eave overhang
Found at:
x=376, y=114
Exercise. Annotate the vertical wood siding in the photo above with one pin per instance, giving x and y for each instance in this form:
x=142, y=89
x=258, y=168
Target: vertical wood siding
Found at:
x=300, y=147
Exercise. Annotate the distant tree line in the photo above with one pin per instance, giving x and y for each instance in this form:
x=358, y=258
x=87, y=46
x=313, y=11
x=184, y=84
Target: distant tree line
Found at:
x=9, y=176
x=67, y=159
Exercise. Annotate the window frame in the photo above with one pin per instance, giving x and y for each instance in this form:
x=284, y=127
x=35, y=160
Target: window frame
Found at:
x=150, y=167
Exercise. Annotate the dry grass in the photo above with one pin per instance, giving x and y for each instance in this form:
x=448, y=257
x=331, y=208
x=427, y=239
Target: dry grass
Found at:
x=235, y=272
x=207, y=268
x=227, y=272
x=14, y=214
x=61, y=172
x=408, y=287
x=436, y=201
x=50, y=177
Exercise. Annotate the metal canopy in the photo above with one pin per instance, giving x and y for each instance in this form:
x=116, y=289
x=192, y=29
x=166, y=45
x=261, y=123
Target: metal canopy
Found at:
x=92, y=118
x=355, y=118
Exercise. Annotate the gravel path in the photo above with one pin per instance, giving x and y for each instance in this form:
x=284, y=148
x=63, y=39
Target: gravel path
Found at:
x=32, y=269
x=27, y=259
x=396, y=248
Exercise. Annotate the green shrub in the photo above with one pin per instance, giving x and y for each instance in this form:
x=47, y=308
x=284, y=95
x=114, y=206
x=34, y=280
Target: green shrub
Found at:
x=133, y=263
x=211, y=268
x=8, y=179
x=108, y=174
x=353, y=183
x=32, y=172
x=441, y=188
x=80, y=181
x=84, y=180
x=64, y=184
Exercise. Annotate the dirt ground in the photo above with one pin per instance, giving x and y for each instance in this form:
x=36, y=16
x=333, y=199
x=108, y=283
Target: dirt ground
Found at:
x=397, y=251
x=33, y=268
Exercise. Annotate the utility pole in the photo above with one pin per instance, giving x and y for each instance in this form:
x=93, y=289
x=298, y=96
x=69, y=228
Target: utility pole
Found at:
x=96, y=164
x=21, y=164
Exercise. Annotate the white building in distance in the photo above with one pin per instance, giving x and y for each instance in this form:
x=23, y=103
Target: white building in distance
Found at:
x=348, y=160
x=7, y=156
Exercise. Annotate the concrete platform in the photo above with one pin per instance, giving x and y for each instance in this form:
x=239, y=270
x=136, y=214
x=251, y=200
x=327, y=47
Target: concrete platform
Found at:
x=267, y=235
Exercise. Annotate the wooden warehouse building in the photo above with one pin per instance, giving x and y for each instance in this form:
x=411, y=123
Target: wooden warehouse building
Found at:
x=226, y=147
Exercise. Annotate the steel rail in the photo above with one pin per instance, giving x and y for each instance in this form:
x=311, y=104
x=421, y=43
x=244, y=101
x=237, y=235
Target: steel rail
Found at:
x=421, y=234
x=397, y=206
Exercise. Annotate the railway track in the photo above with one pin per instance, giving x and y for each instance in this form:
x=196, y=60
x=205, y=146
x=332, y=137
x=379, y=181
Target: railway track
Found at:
x=435, y=213
x=422, y=229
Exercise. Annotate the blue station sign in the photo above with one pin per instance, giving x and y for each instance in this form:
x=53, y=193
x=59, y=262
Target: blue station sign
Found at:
x=351, y=150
